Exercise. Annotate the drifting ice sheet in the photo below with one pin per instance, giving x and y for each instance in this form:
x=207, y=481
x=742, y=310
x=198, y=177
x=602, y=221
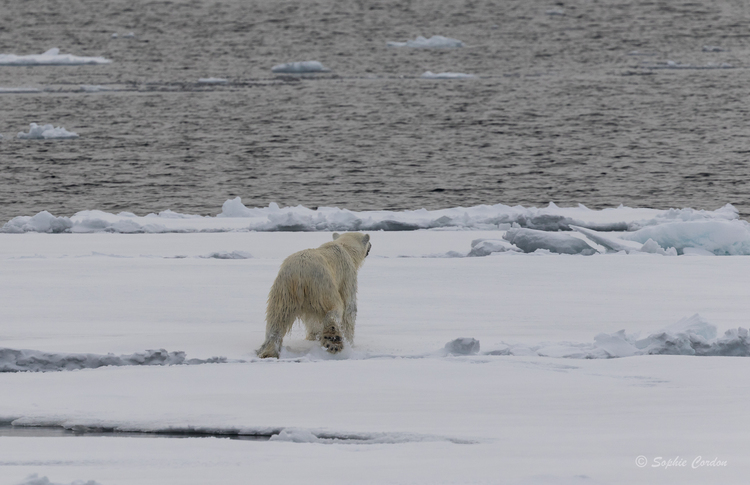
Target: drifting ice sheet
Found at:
x=447, y=75
x=50, y=58
x=213, y=80
x=434, y=42
x=46, y=132
x=299, y=67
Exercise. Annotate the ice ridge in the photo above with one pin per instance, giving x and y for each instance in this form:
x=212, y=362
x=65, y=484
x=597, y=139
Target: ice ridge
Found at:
x=12, y=360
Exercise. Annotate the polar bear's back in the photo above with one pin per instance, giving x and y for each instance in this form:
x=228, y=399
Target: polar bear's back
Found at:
x=310, y=280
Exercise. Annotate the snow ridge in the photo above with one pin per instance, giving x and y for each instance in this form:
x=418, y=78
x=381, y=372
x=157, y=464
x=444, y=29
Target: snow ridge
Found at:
x=37, y=480
x=690, y=336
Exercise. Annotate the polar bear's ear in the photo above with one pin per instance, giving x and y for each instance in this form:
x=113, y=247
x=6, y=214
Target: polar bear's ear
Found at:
x=366, y=239
x=336, y=235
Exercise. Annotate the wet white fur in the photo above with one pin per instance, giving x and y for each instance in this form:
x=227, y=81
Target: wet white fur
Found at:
x=319, y=287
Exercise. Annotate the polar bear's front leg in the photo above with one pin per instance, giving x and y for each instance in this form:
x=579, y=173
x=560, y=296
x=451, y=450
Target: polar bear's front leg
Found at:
x=271, y=346
x=350, y=318
x=330, y=338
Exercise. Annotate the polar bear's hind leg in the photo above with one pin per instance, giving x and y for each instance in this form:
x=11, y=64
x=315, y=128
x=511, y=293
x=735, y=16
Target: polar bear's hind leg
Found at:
x=330, y=338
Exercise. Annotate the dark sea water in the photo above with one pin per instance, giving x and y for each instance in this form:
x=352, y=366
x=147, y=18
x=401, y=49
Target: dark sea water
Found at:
x=563, y=109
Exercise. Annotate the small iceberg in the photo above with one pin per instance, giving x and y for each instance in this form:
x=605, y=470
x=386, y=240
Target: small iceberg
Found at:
x=93, y=88
x=555, y=12
x=299, y=67
x=19, y=90
x=46, y=132
x=447, y=75
x=434, y=42
x=50, y=58
x=677, y=65
x=713, y=48
x=213, y=80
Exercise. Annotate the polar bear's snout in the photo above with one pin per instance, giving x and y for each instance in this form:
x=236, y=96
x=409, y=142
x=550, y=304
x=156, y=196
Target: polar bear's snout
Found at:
x=319, y=287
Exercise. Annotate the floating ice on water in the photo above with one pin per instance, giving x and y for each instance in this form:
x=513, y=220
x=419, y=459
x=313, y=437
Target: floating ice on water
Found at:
x=46, y=132
x=19, y=90
x=434, y=42
x=713, y=48
x=676, y=65
x=213, y=80
x=529, y=240
x=91, y=88
x=299, y=67
x=447, y=75
x=555, y=12
x=50, y=58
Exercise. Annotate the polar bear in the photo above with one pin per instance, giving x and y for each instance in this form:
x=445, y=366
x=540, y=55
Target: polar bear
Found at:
x=319, y=287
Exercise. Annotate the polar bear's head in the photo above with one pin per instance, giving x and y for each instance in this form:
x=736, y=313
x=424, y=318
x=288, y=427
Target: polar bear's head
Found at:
x=356, y=243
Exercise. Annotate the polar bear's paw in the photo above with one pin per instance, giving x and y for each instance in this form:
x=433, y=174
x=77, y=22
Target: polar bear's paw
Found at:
x=332, y=341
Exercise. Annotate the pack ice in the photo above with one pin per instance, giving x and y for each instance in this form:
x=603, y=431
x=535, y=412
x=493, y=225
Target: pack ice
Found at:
x=562, y=230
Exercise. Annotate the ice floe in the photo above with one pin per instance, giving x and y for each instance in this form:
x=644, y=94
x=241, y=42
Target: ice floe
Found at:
x=447, y=75
x=46, y=132
x=299, y=67
x=676, y=65
x=12, y=360
x=50, y=58
x=434, y=42
x=213, y=80
x=93, y=88
x=713, y=48
x=19, y=90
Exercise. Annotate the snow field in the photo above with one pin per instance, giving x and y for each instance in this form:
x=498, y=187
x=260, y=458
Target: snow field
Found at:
x=528, y=416
x=572, y=420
